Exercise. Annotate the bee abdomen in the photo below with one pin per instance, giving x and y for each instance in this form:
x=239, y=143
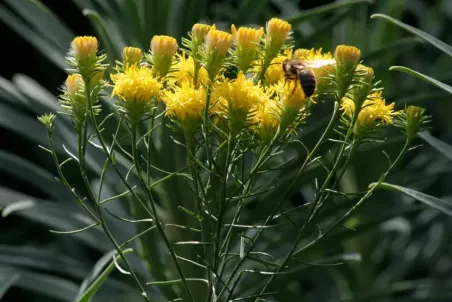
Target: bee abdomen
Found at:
x=308, y=83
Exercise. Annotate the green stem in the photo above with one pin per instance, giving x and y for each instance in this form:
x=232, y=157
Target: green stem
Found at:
x=154, y=210
x=307, y=160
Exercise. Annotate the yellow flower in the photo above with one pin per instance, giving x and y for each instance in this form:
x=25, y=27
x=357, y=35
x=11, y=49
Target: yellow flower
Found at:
x=218, y=41
x=135, y=84
x=163, y=49
x=185, y=71
x=347, y=55
x=199, y=31
x=85, y=48
x=131, y=55
x=374, y=112
x=277, y=30
x=185, y=102
x=275, y=72
x=240, y=94
x=267, y=119
x=290, y=93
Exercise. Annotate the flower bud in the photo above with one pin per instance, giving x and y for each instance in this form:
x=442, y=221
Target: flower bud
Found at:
x=277, y=31
x=131, y=56
x=47, y=120
x=412, y=120
x=347, y=55
x=247, y=44
x=199, y=31
x=83, y=55
x=73, y=99
x=163, y=48
x=217, y=44
x=362, y=88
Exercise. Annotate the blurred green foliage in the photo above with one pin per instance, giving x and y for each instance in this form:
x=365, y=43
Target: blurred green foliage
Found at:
x=398, y=249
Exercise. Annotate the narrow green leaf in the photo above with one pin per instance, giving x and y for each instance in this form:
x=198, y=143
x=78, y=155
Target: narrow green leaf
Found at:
x=439, y=204
x=422, y=77
x=311, y=13
x=7, y=279
x=427, y=37
x=437, y=144
x=98, y=276
x=391, y=48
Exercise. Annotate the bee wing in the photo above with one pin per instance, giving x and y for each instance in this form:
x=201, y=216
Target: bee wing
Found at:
x=319, y=63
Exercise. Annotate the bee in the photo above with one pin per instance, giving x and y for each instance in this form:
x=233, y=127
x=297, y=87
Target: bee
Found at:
x=298, y=70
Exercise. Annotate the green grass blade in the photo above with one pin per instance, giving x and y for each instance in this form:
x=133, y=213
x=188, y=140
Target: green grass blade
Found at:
x=100, y=273
x=315, y=12
x=427, y=37
x=422, y=77
x=440, y=146
x=434, y=202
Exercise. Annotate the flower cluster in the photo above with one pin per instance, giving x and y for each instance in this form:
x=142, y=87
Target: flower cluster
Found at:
x=263, y=98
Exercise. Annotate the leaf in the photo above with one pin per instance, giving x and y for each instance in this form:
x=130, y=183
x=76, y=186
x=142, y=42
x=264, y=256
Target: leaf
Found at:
x=98, y=275
x=32, y=174
x=427, y=37
x=44, y=22
x=52, y=215
x=314, y=12
x=43, y=259
x=7, y=279
x=422, y=77
x=439, y=204
x=437, y=144
x=51, y=286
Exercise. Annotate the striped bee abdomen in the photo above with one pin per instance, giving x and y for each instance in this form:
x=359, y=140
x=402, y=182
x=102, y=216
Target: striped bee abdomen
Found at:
x=307, y=81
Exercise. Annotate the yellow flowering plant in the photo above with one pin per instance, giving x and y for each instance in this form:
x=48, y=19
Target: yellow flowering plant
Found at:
x=232, y=128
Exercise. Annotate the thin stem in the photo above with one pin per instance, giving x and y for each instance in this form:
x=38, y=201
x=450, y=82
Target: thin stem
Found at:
x=308, y=158
x=154, y=210
x=149, y=143
x=82, y=137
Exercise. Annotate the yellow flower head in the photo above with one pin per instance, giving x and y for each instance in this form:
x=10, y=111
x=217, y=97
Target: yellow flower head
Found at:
x=274, y=72
x=277, y=30
x=218, y=41
x=185, y=71
x=185, y=102
x=85, y=48
x=135, y=84
x=268, y=118
x=240, y=94
x=374, y=111
x=131, y=55
x=74, y=84
x=291, y=94
x=347, y=55
x=199, y=31
x=247, y=38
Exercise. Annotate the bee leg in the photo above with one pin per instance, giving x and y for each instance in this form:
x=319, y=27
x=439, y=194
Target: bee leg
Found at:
x=294, y=88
